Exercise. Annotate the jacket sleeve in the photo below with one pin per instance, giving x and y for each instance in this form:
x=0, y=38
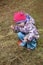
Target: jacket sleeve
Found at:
x=16, y=29
x=24, y=29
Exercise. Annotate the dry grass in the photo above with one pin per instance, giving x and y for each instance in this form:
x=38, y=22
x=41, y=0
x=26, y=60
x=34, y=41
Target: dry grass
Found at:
x=10, y=53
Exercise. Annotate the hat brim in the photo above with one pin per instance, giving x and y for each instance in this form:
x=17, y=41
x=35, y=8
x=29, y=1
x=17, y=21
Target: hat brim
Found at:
x=22, y=21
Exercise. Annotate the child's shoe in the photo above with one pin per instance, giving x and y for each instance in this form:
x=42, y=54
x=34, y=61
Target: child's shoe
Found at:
x=19, y=42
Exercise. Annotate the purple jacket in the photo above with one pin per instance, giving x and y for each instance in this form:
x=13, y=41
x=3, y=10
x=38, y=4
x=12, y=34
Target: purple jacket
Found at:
x=29, y=29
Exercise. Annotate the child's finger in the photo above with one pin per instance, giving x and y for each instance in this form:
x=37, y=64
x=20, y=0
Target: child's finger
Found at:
x=25, y=38
x=12, y=27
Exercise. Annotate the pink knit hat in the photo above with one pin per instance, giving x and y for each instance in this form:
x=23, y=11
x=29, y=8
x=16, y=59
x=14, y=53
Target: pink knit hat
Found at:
x=19, y=17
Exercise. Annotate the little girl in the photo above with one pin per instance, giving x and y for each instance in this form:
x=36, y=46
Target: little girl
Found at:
x=26, y=30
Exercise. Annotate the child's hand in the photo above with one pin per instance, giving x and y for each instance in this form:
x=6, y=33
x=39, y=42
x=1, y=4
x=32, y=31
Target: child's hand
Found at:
x=12, y=27
x=15, y=28
x=25, y=39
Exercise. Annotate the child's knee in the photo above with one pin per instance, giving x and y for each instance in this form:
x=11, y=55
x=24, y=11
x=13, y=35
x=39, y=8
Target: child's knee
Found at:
x=20, y=35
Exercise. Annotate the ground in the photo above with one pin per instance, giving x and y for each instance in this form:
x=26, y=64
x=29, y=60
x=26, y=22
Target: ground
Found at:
x=10, y=52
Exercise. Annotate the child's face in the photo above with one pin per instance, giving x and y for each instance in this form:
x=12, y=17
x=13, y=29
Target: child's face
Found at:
x=21, y=24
